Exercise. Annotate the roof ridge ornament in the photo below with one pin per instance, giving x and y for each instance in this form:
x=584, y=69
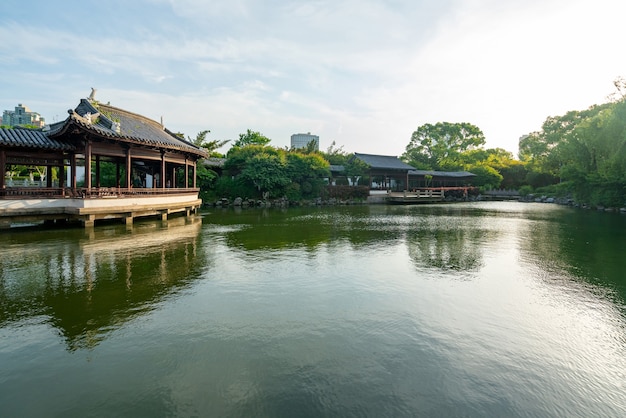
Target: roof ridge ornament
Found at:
x=90, y=119
x=92, y=95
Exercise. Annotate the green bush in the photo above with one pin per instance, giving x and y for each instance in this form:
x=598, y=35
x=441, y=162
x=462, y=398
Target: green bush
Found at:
x=348, y=192
x=227, y=187
x=525, y=190
x=293, y=193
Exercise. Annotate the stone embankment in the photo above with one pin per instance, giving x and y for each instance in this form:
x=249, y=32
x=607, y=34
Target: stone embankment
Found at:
x=281, y=202
x=566, y=201
x=284, y=202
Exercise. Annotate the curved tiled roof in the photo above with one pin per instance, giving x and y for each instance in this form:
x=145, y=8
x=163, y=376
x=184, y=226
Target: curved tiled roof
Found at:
x=452, y=174
x=31, y=138
x=134, y=128
x=383, y=162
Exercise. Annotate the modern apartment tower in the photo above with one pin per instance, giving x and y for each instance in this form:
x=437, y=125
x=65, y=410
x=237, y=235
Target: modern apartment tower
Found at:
x=22, y=116
x=303, y=140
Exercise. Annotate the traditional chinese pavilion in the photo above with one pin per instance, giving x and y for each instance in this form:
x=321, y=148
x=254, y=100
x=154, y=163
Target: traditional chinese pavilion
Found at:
x=101, y=162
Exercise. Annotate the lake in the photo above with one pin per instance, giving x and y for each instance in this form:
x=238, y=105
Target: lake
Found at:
x=495, y=309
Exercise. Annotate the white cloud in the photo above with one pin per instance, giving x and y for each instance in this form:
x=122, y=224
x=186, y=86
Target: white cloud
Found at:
x=363, y=73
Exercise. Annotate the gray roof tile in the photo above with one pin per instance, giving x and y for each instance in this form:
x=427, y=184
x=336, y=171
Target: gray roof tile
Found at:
x=453, y=174
x=383, y=162
x=134, y=128
x=31, y=138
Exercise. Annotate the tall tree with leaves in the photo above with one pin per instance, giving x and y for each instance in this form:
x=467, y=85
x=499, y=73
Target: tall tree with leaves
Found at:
x=251, y=138
x=211, y=146
x=438, y=146
x=206, y=177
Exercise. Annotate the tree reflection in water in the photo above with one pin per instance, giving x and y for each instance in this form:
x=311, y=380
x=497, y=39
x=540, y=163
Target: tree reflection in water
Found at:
x=448, y=243
x=89, y=286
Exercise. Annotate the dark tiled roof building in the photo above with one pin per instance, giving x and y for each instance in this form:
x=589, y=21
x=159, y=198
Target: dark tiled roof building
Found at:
x=100, y=149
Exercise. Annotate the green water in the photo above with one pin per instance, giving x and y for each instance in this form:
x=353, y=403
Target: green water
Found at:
x=472, y=310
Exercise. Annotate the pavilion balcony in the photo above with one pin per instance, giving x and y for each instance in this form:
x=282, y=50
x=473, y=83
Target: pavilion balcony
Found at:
x=90, y=193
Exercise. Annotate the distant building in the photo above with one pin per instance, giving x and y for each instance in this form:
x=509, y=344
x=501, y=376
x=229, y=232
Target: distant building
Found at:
x=22, y=116
x=303, y=140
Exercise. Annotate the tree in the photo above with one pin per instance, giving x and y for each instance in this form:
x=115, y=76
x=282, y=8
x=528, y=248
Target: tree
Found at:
x=251, y=138
x=335, y=155
x=307, y=173
x=439, y=146
x=206, y=177
x=259, y=167
x=210, y=146
x=355, y=169
x=266, y=170
x=486, y=177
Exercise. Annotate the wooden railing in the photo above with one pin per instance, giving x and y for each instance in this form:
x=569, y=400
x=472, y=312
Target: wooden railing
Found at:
x=84, y=193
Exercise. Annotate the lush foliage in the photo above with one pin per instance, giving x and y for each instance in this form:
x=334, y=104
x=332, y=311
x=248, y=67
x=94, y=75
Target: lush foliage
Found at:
x=251, y=138
x=211, y=146
x=447, y=146
x=584, y=151
x=261, y=171
x=581, y=154
x=440, y=146
x=354, y=169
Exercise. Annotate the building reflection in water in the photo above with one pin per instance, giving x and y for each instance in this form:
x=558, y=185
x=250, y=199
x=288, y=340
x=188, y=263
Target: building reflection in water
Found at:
x=87, y=284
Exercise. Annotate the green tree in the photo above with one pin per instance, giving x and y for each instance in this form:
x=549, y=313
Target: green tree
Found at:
x=251, y=138
x=211, y=146
x=307, y=173
x=486, y=177
x=260, y=167
x=266, y=170
x=335, y=155
x=439, y=146
x=357, y=170
x=205, y=176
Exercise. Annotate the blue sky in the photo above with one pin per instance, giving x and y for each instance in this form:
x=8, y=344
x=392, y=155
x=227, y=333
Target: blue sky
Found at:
x=362, y=73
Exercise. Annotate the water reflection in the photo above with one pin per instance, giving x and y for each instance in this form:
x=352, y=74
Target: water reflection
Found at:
x=324, y=312
x=585, y=245
x=309, y=227
x=92, y=284
x=454, y=249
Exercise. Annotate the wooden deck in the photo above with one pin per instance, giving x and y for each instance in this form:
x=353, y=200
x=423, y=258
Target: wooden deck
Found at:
x=418, y=196
x=32, y=205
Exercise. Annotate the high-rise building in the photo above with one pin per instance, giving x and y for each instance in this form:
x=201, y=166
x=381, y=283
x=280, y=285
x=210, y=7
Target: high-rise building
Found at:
x=22, y=116
x=303, y=141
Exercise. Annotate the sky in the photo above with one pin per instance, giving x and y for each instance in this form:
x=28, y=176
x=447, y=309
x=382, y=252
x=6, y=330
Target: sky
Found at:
x=364, y=74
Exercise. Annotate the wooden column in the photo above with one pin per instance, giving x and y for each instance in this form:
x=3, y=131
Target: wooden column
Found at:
x=48, y=176
x=98, y=171
x=162, y=170
x=194, y=174
x=128, y=166
x=186, y=173
x=73, y=168
x=62, y=173
x=88, y=165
